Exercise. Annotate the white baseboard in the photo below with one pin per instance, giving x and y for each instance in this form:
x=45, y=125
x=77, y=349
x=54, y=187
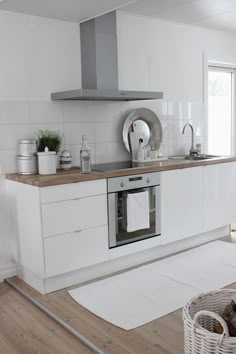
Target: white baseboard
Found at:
x=9, y=270
x=32, y=279
x=112, y=266
x=135, y=259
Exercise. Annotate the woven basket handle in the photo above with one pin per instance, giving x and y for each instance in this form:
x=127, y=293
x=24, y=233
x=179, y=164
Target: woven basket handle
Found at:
x=216, y=317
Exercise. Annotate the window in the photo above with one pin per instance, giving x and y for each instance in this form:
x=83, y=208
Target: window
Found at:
x=220, y=111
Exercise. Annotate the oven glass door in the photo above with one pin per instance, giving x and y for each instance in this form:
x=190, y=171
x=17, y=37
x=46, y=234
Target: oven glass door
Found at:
x=117, y=202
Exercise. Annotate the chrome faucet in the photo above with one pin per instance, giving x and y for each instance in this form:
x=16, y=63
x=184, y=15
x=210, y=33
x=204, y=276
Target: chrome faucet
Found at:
x=192, y=151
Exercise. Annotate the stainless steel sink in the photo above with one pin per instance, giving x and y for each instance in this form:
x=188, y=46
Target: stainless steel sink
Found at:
x=177, y=157
x=194, y=158
x=202, y=157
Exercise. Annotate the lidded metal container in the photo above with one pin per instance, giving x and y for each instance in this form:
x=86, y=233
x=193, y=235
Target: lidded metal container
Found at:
x=26, y=165
x=27, y=147
x=26, y=159
x=65, y=160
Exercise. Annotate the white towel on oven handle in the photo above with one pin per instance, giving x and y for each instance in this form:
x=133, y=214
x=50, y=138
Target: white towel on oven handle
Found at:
x=138, y=216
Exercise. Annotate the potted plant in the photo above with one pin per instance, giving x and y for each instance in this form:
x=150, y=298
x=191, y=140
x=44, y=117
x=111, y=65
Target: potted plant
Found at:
x=50, y=139
x=48, y=145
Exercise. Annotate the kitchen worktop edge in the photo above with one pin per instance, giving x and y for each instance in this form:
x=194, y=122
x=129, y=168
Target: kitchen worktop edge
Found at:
x=74, y=175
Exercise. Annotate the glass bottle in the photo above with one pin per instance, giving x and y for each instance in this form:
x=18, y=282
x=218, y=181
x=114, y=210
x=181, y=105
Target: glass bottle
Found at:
x=85, y=156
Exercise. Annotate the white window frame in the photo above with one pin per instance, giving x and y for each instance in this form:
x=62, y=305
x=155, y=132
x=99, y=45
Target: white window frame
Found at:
x=224, y=68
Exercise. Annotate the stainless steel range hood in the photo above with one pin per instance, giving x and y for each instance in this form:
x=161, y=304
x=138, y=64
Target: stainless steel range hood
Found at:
x=99, y=65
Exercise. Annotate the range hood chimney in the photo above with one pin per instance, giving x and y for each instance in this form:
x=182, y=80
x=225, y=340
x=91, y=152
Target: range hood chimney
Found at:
x=99, y=64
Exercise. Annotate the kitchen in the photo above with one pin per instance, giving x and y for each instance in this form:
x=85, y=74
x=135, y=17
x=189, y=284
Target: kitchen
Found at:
x=42, y=55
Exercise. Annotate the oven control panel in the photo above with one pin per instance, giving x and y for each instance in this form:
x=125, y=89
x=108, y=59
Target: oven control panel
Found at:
x=134, y=181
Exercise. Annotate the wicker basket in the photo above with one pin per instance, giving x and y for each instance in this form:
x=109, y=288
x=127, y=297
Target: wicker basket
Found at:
x=200, y=315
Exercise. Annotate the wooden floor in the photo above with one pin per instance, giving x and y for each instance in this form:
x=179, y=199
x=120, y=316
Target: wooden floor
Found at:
x=24, y=329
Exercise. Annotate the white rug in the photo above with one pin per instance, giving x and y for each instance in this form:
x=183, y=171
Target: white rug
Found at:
x=136, y=297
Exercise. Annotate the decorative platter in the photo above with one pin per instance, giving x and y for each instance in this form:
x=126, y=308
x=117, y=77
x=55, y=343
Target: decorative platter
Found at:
x=153, y=137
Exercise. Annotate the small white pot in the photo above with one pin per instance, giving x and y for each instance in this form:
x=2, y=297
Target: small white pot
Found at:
x=47, y=162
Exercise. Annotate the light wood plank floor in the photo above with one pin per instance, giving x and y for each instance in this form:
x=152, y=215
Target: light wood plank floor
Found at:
x=24, y=329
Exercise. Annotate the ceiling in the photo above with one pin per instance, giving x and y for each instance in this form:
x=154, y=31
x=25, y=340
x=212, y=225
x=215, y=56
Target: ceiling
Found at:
x=217, y=14
x=68, y=10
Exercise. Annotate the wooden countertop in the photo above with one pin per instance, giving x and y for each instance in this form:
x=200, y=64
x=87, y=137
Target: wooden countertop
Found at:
x=74, y=175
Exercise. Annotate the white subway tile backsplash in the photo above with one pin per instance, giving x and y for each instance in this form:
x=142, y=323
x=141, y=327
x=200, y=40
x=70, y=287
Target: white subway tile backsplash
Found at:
x=74, y=112
x=74, y=132
x=108, y=132
x=10, y=134
x=7, y=161
x=111, y=152
x=178, y=146
x=106, y=111
x=102, y=122
x=189, y=110
x=175, y=128
x=45, y=112
x=164, y=148
x=165, y=128
x=158, y=107
x=13, y=112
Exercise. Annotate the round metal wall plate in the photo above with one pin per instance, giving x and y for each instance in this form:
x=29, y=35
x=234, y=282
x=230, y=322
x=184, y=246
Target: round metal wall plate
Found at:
x=152, y=121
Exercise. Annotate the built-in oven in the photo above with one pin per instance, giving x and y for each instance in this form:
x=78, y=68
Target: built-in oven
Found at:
x=119, y=190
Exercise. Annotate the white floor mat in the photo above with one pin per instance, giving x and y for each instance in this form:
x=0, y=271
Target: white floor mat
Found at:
x=147, y=293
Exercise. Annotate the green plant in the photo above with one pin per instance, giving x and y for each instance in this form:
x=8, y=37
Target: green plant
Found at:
x=48, y=138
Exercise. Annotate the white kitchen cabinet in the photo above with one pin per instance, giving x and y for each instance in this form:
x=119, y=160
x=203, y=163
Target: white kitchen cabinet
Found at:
x=74, y=215
x=219, y=187
x=72, y=191
x=181, y=203
x=65, y=253
x=61, y=229
x=197, y=200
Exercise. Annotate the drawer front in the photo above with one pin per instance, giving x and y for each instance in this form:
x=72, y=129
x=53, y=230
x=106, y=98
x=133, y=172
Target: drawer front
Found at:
x=69, y=252
x=74, y=215
x=72, y=191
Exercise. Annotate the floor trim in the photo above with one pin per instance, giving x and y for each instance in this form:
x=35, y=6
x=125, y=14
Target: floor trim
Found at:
x=55, y=318
x=7, y=271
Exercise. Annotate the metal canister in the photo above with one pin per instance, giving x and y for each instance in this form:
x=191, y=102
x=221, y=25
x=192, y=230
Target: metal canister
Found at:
x=27, y=147
x=26, y=165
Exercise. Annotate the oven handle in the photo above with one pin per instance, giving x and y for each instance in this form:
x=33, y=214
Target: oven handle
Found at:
x=112, y=219
x=158, y=209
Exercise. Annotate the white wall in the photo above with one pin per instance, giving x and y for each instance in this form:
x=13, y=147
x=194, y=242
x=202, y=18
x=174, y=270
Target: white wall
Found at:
x=39, y=56
x=167, y=56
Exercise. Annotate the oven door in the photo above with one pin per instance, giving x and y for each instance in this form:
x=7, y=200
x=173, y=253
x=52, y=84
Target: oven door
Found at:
x=117, y=217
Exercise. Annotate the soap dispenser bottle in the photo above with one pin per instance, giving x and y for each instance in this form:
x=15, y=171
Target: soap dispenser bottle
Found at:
x=140, y=154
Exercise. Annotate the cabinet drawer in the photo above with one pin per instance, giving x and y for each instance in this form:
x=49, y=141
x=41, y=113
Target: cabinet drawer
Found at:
x=69, y=252
x=74, y=215
x=72, y=190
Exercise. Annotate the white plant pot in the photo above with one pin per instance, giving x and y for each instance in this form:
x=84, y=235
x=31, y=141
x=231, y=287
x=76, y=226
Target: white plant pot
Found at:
x=47, y=162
